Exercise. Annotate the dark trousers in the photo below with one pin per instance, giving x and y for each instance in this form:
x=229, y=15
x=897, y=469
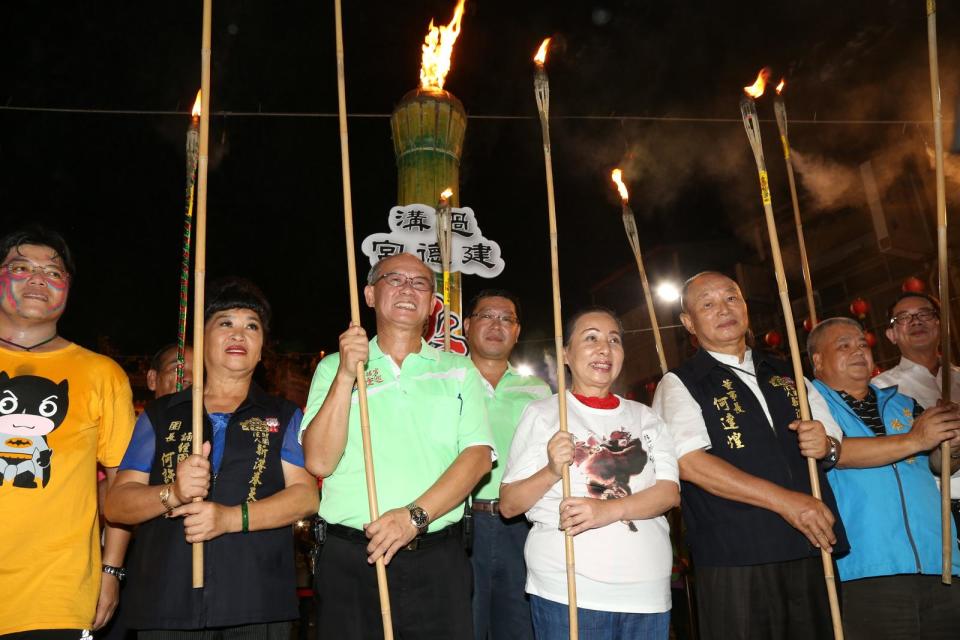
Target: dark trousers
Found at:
x=267, y=631
x=777, y=601
x=501, y=609
x=429, y=592
x=906, y=606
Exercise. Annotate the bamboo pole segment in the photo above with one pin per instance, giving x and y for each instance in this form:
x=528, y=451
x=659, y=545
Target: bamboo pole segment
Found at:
x=445, y=242
x=944, y=276
x=633, y=236
x=752, y=125
x=630, y=225
x=200, y=263
x=780, y=108
x=355, y=320
x=542, y=92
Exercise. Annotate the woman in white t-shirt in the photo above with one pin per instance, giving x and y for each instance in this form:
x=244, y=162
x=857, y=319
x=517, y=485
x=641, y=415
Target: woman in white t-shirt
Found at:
x=623, y=478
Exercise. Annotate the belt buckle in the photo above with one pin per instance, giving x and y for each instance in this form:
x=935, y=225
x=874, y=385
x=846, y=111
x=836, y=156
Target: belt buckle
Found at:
x=414, y=544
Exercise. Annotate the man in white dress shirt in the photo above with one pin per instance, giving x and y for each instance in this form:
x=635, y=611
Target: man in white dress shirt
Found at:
x=915, y=329
x=753, y=528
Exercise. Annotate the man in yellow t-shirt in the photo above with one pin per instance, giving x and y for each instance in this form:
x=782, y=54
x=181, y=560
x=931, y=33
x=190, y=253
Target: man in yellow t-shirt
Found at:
x=62, y=410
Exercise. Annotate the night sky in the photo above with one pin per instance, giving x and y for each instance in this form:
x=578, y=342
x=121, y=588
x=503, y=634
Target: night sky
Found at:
x=113, y=183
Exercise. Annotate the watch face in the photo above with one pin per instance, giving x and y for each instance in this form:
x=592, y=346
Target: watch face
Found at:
x=419, y=517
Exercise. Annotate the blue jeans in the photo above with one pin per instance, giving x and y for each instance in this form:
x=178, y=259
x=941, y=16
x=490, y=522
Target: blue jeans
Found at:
x=500, y=606
x=551, y=622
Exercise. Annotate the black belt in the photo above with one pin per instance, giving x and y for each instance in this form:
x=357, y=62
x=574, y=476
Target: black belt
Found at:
x=486, y=506
x=428, y=539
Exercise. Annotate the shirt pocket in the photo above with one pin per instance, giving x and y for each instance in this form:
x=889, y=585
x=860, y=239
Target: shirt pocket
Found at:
x=441, y=428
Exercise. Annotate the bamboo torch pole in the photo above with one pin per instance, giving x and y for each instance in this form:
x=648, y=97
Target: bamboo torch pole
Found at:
x=193, y=153
x=542, y=92
x=355, y=320
x=780, y=108
x=633, y=236
x=945, y=516
x=200, y=263
x=445, y=242
x=752, y=125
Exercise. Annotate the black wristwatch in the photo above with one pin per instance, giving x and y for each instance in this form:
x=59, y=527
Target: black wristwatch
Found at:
x=117, y=572
x=833, y=455
x=419, y=518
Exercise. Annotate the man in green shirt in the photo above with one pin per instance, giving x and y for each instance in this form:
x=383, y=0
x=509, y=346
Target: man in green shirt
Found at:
x=431, y=444
x=500, y=605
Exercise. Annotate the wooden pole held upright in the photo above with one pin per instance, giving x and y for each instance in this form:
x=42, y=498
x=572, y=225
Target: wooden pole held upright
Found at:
x=355, y=320
x=200, y=264
x=752, y=125
x=542, y=93
x=630, y=226
x=780, y=109
x=944, y=276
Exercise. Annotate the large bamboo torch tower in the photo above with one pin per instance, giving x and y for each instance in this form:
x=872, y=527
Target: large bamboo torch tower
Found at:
x=428, y=128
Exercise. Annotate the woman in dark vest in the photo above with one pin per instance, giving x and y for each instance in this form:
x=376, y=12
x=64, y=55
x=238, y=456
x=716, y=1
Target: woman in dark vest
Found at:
x=250, y=477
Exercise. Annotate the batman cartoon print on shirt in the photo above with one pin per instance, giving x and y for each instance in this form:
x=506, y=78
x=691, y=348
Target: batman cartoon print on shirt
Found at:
x=30, y=408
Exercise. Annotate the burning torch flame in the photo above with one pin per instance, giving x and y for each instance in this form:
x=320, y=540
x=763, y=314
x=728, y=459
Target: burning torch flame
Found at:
x=541, y=57
x=617, y=177
x=196, y=107
x=756, y=89
x=780, y=86
x=445, y=195
x=437, y=49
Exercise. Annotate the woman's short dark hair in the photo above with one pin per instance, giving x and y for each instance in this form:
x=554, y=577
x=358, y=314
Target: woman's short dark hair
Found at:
x=40, y=236
x=572, y=320
x=236, y=293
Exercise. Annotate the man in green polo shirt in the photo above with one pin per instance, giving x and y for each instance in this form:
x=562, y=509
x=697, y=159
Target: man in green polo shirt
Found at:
x=431, y=444
x=501, y=610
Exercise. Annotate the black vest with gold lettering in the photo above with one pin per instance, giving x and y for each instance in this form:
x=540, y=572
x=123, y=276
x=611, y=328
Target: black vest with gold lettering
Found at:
x=723, y=532
x=248, y=577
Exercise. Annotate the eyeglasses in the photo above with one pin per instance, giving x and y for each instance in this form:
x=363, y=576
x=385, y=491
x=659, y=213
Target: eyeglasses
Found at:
x=906, y=317
x=20, y=269
x=395, y=279
x=500, y=317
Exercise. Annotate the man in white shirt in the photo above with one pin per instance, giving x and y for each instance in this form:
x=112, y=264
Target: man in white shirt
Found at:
x=915, y=329
x=753, y=528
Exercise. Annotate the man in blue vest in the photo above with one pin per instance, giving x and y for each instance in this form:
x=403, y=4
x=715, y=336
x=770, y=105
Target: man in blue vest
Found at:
x=753, y=528
x=886, y=493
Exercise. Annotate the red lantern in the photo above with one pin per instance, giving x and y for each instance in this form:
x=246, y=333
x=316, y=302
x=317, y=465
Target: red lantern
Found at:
x=871, y=338
x=773, y=338
x=650, y=387
x=808, y=325
x=860, y=308
x=913, y=285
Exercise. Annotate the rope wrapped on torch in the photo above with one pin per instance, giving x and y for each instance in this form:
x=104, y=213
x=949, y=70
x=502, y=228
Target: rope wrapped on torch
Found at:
x=633, y=236
x=541, y=86
x=780, y=109
x=751, y=124
x=445, y=242
x=193, y=157
x=944, y=275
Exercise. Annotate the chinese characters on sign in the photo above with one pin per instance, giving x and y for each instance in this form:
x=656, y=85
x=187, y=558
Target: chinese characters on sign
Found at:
x=413, y=230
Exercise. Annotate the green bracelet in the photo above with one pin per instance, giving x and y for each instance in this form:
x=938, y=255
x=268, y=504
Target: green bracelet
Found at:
x=244, y=518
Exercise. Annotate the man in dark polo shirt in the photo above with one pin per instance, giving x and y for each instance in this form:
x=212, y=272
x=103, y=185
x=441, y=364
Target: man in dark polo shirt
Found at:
x=753, y=528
